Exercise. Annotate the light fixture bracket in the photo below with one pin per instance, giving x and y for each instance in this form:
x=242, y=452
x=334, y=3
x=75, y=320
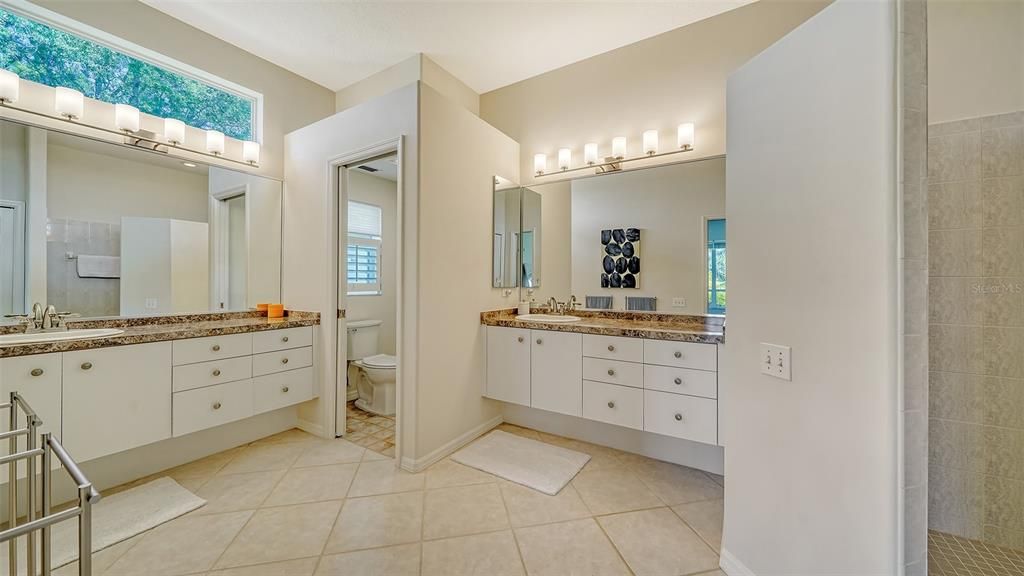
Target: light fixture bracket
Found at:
x=611, y=164
x=145, y=139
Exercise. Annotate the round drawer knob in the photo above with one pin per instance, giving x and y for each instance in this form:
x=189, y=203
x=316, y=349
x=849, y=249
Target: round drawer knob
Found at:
x=36, y=372
x=678, y=354
x=86, y=365
x=679, y=417
x=216, y=372
x=611, y=348
x=611, y=404
x=216, y=405
x=540, y=341
x=284, y=339
x=520, y=338
x=284, y=360
x=284, y=389
x=611, y=372
x=216, y=348
x=678, y=381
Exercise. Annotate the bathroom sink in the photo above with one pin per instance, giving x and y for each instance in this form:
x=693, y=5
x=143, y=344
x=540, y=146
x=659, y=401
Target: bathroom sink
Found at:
x=40, y=337
x=552, y=318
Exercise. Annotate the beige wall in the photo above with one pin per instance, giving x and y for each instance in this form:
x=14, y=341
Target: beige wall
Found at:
x=460, y=154
x=415, y=68
x=13, y=162
x=289, y=101
x=811, y=465
x=383, y=193
x=657, y=83
x=975, y=58
x=556, y=244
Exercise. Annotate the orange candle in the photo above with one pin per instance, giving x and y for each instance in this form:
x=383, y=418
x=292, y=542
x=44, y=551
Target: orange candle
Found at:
x=275, y=311
x=262, y=307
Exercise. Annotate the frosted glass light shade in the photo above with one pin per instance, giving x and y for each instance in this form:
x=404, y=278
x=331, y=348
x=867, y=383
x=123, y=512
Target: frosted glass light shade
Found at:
x=251, y=152
x=564, y=158
x=590, y=153
x=214, y=142
x=540, y=163
x=650, y=142
x=69, y=103
x=619, y=147
x=686, y=135
x=126, y=117
x=174, y=131
x=9, y=83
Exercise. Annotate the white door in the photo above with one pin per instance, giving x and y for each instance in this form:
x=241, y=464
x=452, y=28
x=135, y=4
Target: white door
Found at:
x=556, y=367
x=9, y=259
x=508, y=364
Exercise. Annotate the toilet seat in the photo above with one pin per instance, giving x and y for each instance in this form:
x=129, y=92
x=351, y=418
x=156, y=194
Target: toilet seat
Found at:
x=380, y=361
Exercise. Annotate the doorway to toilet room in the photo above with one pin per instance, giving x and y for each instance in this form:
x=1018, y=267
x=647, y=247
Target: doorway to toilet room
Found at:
x=369, y=263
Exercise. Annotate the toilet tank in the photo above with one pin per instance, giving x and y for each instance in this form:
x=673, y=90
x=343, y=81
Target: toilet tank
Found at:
x=363, y=337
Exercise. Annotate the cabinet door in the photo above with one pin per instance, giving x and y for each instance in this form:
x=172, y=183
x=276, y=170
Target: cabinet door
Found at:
x=508, y=364
x=116, y=399
x=556, y=382
x=37, y=379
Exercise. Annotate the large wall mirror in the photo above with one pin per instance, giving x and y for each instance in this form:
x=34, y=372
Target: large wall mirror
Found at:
x=106, y=230
x=652, y=239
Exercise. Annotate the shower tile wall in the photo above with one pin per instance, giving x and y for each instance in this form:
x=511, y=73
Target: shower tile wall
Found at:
x=976, y=315
x=64, y=289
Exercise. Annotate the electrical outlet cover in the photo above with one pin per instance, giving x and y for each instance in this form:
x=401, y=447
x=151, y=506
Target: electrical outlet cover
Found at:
x=679, y=302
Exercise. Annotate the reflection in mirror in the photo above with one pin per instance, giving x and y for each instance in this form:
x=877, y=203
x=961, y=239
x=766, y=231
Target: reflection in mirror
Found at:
x=677, y=265
x=530, y=240
x=506, y=235
x=105, y=230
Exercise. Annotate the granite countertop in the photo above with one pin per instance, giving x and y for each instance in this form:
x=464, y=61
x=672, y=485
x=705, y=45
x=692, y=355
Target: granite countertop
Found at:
x=163, y=328
x=653, y=326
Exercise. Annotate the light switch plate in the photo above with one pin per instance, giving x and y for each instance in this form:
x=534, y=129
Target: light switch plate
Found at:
x=679, y=302
x=775, y=361
x=151, y=304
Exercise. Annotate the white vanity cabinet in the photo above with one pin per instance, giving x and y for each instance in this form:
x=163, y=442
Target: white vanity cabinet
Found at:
x=116, y=398
x=37, y=379
x=556, y=372
x=659, y=386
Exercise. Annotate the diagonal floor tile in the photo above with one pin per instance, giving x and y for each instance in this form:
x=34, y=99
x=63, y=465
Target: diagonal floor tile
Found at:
x=614, y=489
x=656, y=543
x=403, y=560
x=331, y=452
x=527, y=506
x=293, y=436
x=461, y=510
x=284, y=533
x=262, y=458
x=234, y=492
x=705, y=518
x=376, y=521
x=577, y=547
x=382, y=477
x=315, y=484
x=161, y=550
x=493, y=554
x=447, y=473
x=300, y=567
x=675, y=484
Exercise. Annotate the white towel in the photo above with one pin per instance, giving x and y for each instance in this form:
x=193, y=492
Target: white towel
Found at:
x=98, y=266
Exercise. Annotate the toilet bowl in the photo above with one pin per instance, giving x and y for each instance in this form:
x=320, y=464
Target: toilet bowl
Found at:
x=376, y=384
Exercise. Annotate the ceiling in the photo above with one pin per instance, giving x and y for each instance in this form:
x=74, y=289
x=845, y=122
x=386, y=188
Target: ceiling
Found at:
x=386, y=168
x=485, y=43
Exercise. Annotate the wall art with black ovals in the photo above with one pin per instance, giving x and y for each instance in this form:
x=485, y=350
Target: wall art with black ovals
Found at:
x=620, y=258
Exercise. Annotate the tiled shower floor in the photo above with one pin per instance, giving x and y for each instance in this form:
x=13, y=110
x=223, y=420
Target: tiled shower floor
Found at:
x=950, y=555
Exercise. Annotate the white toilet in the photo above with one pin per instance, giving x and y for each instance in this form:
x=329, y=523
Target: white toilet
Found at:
x=373, y=373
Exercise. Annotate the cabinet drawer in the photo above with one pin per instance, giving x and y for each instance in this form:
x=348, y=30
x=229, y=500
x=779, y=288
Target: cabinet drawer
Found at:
x=681, y=416
x=613, y=348
x=613, y=404
x=211, y=406
x=282, y=339
x=212, y=348
x=282, y=389
x=203, y=374
x=681, y=354
x=613, y=372
x=282, y=360
x=681, y=381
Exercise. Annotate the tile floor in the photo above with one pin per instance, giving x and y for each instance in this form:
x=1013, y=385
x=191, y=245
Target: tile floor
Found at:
x=950, y=555
x=369, y=430
x=296, y=505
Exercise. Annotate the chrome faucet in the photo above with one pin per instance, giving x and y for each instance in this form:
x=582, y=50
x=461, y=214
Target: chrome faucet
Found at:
x=561, y=308
x=43, y=319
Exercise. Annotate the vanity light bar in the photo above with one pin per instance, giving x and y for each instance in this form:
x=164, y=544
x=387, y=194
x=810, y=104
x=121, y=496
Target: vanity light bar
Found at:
x=69, y=106
x=614, y=162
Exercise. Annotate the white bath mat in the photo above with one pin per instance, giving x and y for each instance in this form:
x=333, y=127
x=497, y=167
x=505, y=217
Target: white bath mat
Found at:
x=116, y=518
x=533, y=464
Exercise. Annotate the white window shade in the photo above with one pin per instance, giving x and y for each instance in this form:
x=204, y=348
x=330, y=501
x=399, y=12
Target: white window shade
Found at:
x=364, y=220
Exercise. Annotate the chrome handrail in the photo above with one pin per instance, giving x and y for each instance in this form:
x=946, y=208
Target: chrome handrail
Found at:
x=87, y=495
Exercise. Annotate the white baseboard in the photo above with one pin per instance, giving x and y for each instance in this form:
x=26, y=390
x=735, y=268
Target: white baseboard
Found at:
x=419, y=464
x=310, y=427
x=731, y=566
